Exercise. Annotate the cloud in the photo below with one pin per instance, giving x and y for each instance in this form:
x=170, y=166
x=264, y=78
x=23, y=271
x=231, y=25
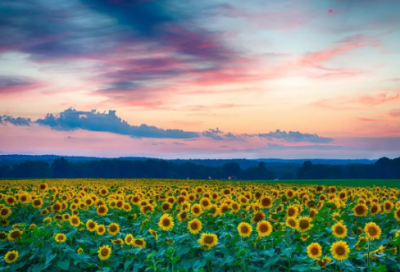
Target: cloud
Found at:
x=19, y=121
x=294, y=136
x=72, y=119
x=395, y=113
x=10, y=85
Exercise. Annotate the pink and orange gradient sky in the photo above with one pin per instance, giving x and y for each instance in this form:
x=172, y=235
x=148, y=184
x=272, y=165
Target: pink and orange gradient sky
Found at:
x=200, y=79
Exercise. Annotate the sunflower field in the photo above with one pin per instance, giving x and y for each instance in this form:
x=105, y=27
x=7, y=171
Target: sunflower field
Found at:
x=195, y=225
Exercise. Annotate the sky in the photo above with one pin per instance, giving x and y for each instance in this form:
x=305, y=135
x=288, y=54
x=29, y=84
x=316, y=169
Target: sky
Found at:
x=200, y=79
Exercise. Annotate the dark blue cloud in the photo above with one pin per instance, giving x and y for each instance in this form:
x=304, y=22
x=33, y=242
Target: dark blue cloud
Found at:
x=19, y=121
x=72, y=119
x=294, y=136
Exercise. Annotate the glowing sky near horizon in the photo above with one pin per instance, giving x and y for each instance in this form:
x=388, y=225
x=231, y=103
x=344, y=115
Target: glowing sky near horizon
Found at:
x=200, y=79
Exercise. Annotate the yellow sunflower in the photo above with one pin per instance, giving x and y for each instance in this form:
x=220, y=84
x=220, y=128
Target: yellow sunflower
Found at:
x=244, y=229
x=266, y=202
x=139, y=243
x=3, y=236
x=257, y=217
x=291, y=222
x=360, y=210
x=340, y=250
x=303, y=224
x=375, y=209
x=154, y=233
x=339, y=230
x=314, y=251
x=264, y=228
x=5, y=212
x=129, y=239
x=397, y=215
x=75, y=221
x=11, y=256
x=292, y=211
x=102, y=210
x=104, y=252
x=372, y=230
x=60, y=238
x=100, y=229
x=208, y=240
x=196, y=210
x=14, y=235
x=166, y=222
x=195, y=226
x=323, y=262
x=91, y=225
x=113, y=229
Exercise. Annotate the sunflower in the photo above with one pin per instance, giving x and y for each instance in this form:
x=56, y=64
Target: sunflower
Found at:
x=257, y=217
x=104, y=252
x=102, y=210
x=166, y=222
x=91, y=225
x=292, y=211
x=182, y=216
x=244, y=229
x=128, y=239
x=304, y=237
x=154, y=233
x=80, y=251
x=397, y=214
x=223, y=208
x=375, y=209
x=118, y=242
x=208, y=240
x=101, y=229
x=14, y=235
x=387, y=206
x=339, y=230
x=195, y=226
x=324, y=261
x=291, y=222
x=235, y=207
x=10, y=200
x=372, y=230
x=47, y=221
x=205, y=202
x=266, y=202
x=66, y=217
x=147, y=208
x=314, y=251
x=60, y=238
x=75, y=221
x=139, y=243
x=113, y=229
x=11, y=256
x=340, y=250
x=264, y=228
x=196, y=210
x=37, y=203
x=360, y=210
x=303, y=224
x=166, y=206
x=5, y=212
x=43, y=187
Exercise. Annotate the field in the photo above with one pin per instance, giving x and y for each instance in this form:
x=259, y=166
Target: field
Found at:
x=193, y=225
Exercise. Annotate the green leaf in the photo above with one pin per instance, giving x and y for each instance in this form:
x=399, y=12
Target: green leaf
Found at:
x=127, y=264
x=37, y=267
x=63, y=264
x=299, y=267
x=199, y=264
x=176, y=259
x=380, y=268
x=49, y=258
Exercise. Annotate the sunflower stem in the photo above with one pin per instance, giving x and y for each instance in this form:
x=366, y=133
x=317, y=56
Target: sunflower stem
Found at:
x=368, y=256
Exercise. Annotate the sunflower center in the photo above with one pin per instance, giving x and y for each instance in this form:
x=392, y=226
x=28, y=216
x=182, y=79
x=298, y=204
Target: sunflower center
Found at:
x=314, y=251
x=208, y=239
x=196, y=210
x=92, y=225
x=339, y=230
x=387, y=206
x=374, y=209
x=194, y=226
x=15, y=234
x=245, y=229
x=264, y=228
x=340, y=250
x=292, y=223
x=104, y=252
x=139, y=242
x=11, y=256
x=258, y=217
x=75, y=221
x=113, y=228
x=165, y=206
x=4, y=212
x=304, y=224
x=360, y=210
x=166, y=222
x=291, y=212
x=372, y=231
x=266, y=201
x=2, y=236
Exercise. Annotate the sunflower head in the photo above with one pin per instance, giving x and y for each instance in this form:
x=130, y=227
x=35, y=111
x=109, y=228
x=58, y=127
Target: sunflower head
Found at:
x=80, y=250
x=339, y=230
x=129, y=239
x=100, y=229
x=14, y=235
x=166, y=222
x=104, y=252
x=372, y=230
x=340, y=250
x=208, y=240
x=244, y=229
x=113, y=229
x=91, y=225
x=314, y=251
x=264, y=228
x=360, y=210
x=139, y=243
x=194, y=226
x=60, y=238
x=303, y=224
x=154, y=233
x=11, y=256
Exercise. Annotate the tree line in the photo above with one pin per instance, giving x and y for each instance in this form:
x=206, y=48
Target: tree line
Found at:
x=384, y=168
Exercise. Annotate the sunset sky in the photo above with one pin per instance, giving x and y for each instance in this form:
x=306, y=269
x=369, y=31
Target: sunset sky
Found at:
x=200, y=79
